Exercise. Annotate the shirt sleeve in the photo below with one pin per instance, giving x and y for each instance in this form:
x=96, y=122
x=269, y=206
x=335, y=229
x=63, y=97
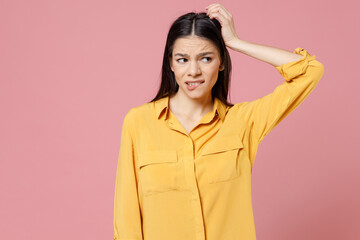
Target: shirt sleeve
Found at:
x=127, y=215
x=301, y=77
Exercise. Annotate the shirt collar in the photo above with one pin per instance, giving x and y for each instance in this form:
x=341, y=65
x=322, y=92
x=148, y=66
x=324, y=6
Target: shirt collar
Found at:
x=162, y=106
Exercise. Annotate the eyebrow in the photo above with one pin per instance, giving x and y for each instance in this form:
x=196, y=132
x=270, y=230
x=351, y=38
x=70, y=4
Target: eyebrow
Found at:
x=199, y=55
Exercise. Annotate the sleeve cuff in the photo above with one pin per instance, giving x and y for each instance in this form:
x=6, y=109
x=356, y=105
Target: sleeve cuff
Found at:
x=293, y=69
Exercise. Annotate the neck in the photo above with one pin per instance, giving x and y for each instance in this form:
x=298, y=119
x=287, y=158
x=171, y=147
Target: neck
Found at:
x=191, y=107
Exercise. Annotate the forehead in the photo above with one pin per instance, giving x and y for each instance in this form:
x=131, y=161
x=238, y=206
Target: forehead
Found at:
x=192, y=44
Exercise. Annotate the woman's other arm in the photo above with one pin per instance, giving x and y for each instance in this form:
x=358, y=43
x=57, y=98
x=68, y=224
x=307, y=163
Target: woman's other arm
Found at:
x=127, y=213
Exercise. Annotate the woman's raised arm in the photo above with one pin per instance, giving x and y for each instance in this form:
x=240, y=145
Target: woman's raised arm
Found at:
x=301, y=72
x=271, y=55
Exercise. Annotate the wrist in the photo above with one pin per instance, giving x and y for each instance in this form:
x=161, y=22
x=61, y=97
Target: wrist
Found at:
x=238, y=45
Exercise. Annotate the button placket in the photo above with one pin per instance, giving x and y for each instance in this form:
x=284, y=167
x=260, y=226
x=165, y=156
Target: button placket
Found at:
x=189, y=162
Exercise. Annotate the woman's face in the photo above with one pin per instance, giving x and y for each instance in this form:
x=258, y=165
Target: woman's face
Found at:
x=195, y=59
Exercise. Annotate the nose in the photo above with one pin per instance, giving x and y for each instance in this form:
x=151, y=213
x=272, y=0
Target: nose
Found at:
x=194, y=68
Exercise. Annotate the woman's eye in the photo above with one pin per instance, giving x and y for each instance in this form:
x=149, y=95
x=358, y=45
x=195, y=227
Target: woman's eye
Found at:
x=181, y=60
x=208, y=59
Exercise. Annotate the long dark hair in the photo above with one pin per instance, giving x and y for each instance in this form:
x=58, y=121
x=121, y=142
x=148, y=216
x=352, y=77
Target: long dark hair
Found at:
x=204, y=27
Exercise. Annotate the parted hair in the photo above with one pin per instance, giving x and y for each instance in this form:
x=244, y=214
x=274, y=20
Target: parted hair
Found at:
x=202, y=26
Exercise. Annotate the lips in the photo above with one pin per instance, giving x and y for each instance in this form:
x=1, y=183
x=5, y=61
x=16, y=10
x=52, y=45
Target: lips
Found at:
x=197, y=81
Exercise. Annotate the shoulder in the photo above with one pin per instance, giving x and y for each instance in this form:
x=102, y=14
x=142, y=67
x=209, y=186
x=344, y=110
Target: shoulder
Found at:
x=139, y=112
x=242, y=106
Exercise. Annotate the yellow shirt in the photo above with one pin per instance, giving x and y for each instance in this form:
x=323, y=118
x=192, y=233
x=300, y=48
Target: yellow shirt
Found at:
x=175, y=185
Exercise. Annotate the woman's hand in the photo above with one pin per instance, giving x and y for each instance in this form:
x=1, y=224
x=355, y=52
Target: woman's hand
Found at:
x=218, y=11
x=268, y=54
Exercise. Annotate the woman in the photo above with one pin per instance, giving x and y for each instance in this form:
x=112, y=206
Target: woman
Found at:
x=186, y=157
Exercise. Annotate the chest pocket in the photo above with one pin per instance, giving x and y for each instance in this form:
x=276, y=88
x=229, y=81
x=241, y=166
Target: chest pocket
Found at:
x=158, y=171
x=219, y=161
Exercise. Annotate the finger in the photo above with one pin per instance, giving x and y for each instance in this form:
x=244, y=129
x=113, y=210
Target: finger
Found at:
x=215, y=8
x=210, y=5
x=210, y=11
x=226, y=11
x=223, y=11
x=219, y=17
x=215, y=5
x=218, y=5
x=223, y=7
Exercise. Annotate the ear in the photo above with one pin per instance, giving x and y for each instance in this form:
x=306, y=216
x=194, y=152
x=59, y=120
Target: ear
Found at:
x=170, y=62
x=221, y=67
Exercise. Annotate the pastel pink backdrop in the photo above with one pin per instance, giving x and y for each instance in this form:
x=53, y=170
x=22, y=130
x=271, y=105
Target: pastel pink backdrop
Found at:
x=70, y=71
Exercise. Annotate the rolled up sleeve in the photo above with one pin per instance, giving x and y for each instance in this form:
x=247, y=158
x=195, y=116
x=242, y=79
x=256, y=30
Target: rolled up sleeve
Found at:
x=301, y=77
x=127, y=214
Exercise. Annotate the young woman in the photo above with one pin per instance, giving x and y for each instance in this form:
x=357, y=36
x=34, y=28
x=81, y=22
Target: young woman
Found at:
x=186, y=157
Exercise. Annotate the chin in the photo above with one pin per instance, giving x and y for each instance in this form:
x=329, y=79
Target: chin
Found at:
x=197, y=95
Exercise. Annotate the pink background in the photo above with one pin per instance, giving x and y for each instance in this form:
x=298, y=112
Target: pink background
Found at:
x=70, y=70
